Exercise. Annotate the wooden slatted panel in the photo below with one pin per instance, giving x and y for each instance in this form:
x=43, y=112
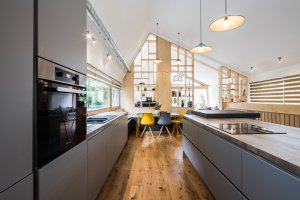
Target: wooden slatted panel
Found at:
x=297, y=121
x=284, y=90
x=278, y=118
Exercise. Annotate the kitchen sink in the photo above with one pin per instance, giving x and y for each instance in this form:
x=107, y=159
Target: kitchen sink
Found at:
x=97, y=120
x=100, y=119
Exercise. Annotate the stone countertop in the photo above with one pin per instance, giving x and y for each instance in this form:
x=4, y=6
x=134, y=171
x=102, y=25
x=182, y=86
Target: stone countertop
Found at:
x=282, y=150
x=93, y=129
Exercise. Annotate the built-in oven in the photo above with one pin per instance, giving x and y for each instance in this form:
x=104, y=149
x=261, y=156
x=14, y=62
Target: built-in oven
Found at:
x=61, y=110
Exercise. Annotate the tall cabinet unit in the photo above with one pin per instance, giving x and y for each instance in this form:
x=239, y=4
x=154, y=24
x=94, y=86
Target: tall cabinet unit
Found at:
x=61, y=32
x=16, y=78
x=61, y=39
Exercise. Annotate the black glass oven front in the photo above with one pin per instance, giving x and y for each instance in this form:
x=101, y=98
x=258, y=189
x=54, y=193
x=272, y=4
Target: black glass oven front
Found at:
x=61, y=118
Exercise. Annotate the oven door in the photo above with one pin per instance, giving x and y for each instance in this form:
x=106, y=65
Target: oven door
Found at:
x=61, y=119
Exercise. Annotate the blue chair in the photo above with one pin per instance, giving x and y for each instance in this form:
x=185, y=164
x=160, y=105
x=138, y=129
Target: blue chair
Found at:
x=164, y=120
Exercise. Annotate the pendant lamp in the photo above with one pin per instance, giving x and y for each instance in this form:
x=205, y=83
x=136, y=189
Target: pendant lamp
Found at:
x=157, y=60
x=228, y=22
x=178, y=61
x=201, y=47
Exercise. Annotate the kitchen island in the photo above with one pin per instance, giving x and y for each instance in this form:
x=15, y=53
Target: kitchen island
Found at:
x=244, y=166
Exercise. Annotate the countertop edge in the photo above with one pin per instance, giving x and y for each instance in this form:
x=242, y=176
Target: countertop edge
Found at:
x=278, y=162
x=101, y=127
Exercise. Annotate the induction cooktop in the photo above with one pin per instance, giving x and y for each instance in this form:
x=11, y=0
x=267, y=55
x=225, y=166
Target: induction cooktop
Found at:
x=244, y=128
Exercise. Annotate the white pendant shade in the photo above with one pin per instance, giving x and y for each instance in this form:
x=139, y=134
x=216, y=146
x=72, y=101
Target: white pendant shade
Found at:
x=201, y=48
x=227, y=23
x=178, y=61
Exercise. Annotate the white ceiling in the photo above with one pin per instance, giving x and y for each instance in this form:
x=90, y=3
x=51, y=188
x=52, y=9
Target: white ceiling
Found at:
x=127, y=23
x=271, y=28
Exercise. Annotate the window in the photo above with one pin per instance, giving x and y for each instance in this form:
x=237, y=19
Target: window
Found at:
x=98, y=94
x=284, y=90
x=115, y=97
x=182, y=77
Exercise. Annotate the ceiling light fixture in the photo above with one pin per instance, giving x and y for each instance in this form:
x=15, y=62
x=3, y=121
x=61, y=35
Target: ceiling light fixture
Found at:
x=157, y=60
x=93, y=41
x=201, y=47
x=279, y=60
x=251, y=69
x=109, y=57
x=178, y=61
x=88, y=35
x=228, y=22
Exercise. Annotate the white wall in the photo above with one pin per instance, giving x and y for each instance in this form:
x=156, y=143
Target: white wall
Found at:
x=259, y=75
x=97, y=55
x=206, y=70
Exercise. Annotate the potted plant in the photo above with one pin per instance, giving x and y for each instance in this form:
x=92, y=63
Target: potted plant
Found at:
x=157, y=108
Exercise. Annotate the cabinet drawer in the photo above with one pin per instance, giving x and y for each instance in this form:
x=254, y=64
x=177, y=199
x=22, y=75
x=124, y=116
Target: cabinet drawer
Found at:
x=220, y=187
x=224, y=155
x=262, y=180
x=66, y=176
x=21, y=190
x=190, y=130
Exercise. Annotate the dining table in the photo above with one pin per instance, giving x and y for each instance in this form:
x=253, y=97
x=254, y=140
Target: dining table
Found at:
x=137, y=117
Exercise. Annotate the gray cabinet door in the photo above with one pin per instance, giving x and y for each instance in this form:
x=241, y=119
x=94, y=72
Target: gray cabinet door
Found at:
x=16, y=79
x=61, y=32
x=21, y=190
x=66, y=176
x=220, y=187
x=98, y=165
x=262, y=180
x=224, y=155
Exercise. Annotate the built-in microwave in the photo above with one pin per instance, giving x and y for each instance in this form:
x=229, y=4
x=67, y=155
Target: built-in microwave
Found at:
x=61, y=110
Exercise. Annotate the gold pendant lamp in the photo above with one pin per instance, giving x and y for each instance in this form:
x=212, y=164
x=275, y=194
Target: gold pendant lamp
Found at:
x=228, y=22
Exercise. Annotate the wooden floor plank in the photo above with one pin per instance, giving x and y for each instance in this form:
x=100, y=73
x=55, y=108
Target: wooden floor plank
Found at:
x=153, y=169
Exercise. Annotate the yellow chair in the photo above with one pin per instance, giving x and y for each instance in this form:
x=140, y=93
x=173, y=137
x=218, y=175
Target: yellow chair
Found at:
x=147, y=121
x=177, y=122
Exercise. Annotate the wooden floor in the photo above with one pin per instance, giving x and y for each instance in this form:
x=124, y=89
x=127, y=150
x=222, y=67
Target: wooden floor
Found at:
x=153, y=168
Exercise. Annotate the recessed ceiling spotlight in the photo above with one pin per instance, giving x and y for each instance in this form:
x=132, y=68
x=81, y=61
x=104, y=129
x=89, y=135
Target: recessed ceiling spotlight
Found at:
x=279, y=60
x=88, y=35
x=251, y=69
x=109, y=57
x=93, y=41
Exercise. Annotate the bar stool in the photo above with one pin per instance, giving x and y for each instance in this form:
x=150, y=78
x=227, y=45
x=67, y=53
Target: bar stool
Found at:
x=147, y=121
x=164, y=120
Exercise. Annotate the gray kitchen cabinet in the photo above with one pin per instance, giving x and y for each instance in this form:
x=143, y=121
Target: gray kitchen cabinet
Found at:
x=16, y=79
x=262, y=180
x=103, y=151
x=21, y=190
x=61, y=32
x=98, y=161
x=224, y=155
x=66, y=176
x=190, y=130
x=214, y=180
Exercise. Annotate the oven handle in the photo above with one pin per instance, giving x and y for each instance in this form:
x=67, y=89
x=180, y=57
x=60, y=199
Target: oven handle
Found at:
x=70, y=90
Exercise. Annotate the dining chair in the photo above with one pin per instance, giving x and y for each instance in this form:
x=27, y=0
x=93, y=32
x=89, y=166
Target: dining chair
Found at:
x=177, y=122
x=164, y=120
x=147, y=121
